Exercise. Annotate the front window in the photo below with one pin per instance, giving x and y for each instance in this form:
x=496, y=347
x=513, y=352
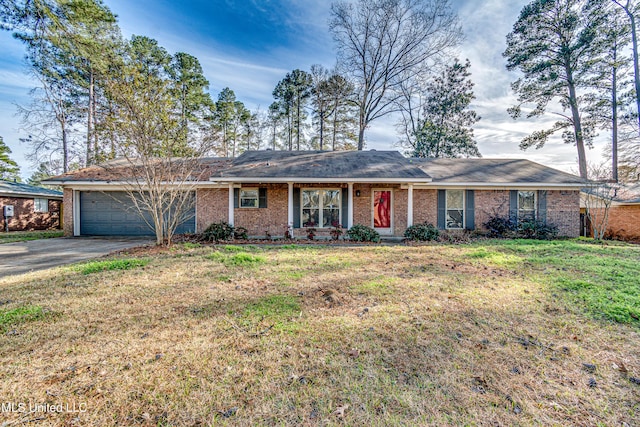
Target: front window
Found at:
x=455, y=209
x=249, y=198
x=320, y=207
x=40, y=205
x=526, y=205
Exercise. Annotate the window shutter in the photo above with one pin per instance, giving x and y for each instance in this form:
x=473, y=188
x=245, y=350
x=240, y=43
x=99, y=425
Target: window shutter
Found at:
x=513, y=205
x=345, y=206
x=296, y=208
x=442, y=202
x=469, y=215
x=262, y=197
x=236, y=197
x=542, y=205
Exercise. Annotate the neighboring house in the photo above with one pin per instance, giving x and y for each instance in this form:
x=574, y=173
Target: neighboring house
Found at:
x=34, y=208
x=623, y=211
x=269, y=192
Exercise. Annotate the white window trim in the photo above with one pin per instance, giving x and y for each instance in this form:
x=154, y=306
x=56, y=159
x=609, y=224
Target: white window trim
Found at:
x=320, y=207
x=46, y=202
x=383, y=230
x=446, y=210
x=256, y=189
x=535, y=203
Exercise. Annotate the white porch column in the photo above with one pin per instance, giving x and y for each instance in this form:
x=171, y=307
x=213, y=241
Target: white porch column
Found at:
x=410, y=206
x=231, y=203
x=350, y=205
x=290, y=206
x=75, y=206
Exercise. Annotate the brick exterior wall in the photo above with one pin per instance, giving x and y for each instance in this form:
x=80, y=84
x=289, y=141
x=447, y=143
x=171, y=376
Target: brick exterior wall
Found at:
x=25, y=219
x=623, y=222
x=272, y=219
x=563, y=210
x=425, y=206
x=212, y=205
x=490, y=203
x=67, y=220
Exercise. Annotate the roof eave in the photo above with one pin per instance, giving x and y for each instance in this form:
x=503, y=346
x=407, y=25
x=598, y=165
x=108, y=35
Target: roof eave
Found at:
x=307, y=180
x=494, y=185
x=29, y=195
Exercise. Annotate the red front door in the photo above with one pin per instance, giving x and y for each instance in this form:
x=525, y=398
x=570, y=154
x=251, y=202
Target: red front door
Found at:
x=382, y=209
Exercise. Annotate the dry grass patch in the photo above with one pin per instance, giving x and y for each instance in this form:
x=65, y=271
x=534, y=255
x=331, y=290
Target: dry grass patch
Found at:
x=376, y=335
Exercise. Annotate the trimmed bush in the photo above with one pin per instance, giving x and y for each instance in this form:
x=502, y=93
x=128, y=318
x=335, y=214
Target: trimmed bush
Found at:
x=362, y=233
x=422, y=232
x=218, y=231
x=503, y=227
x=240, y=233
x=526, y=229
x=535, y=229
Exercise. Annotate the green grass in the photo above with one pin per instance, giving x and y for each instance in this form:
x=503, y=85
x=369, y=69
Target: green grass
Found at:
x=274, y=311
x=23, y=236
x=115, y=264
x=236, y=259
x=602, y=280
x=19, y=315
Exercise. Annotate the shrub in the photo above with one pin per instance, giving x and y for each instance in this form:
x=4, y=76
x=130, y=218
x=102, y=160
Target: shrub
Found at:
x=336, y=231
x=240, y=233
x=536, y=229
x=311, y=233
x=218, y=231
x=362, y=233
x=422, y=232
x=501, y=226
x=525, y=229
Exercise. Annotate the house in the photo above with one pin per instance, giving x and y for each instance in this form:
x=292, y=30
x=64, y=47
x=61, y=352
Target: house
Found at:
x=34, y=208
x=623, y=215
x=269, y=192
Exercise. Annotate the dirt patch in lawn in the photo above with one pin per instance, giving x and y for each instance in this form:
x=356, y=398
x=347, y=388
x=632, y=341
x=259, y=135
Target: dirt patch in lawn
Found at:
x=376, y=335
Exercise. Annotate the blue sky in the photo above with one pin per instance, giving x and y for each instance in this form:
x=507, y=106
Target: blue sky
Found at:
x=249, y=45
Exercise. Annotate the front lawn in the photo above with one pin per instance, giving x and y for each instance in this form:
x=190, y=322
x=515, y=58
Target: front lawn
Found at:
x=490, y=333
x=23, y=236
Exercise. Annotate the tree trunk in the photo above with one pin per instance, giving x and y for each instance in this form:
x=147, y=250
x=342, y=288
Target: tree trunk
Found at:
x=65, y=149
x=321, y=129
x=362, y=127
x=298, y=123
x=577, y=123
x=636, y=67
x=614, y=116
x=90, y=117
x=335, y=127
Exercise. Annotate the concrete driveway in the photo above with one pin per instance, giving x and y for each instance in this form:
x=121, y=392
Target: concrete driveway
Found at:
x=23, y=257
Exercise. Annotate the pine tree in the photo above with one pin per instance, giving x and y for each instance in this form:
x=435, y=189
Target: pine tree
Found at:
x=9, y=169
x=551, y=44
x=446, y=128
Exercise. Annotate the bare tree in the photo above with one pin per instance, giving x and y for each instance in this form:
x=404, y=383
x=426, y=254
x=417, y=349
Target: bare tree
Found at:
x=597, y=198
x=49, y=121
x=155, y=169
x=382, y=42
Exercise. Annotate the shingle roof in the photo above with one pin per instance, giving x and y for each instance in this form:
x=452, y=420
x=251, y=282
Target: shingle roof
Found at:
x=496, y=171
x=342, y=165
x=19, y=189
x=370, y=166
x=119, y=169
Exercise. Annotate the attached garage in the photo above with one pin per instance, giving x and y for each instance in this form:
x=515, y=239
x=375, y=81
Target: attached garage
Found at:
x=111, y=213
